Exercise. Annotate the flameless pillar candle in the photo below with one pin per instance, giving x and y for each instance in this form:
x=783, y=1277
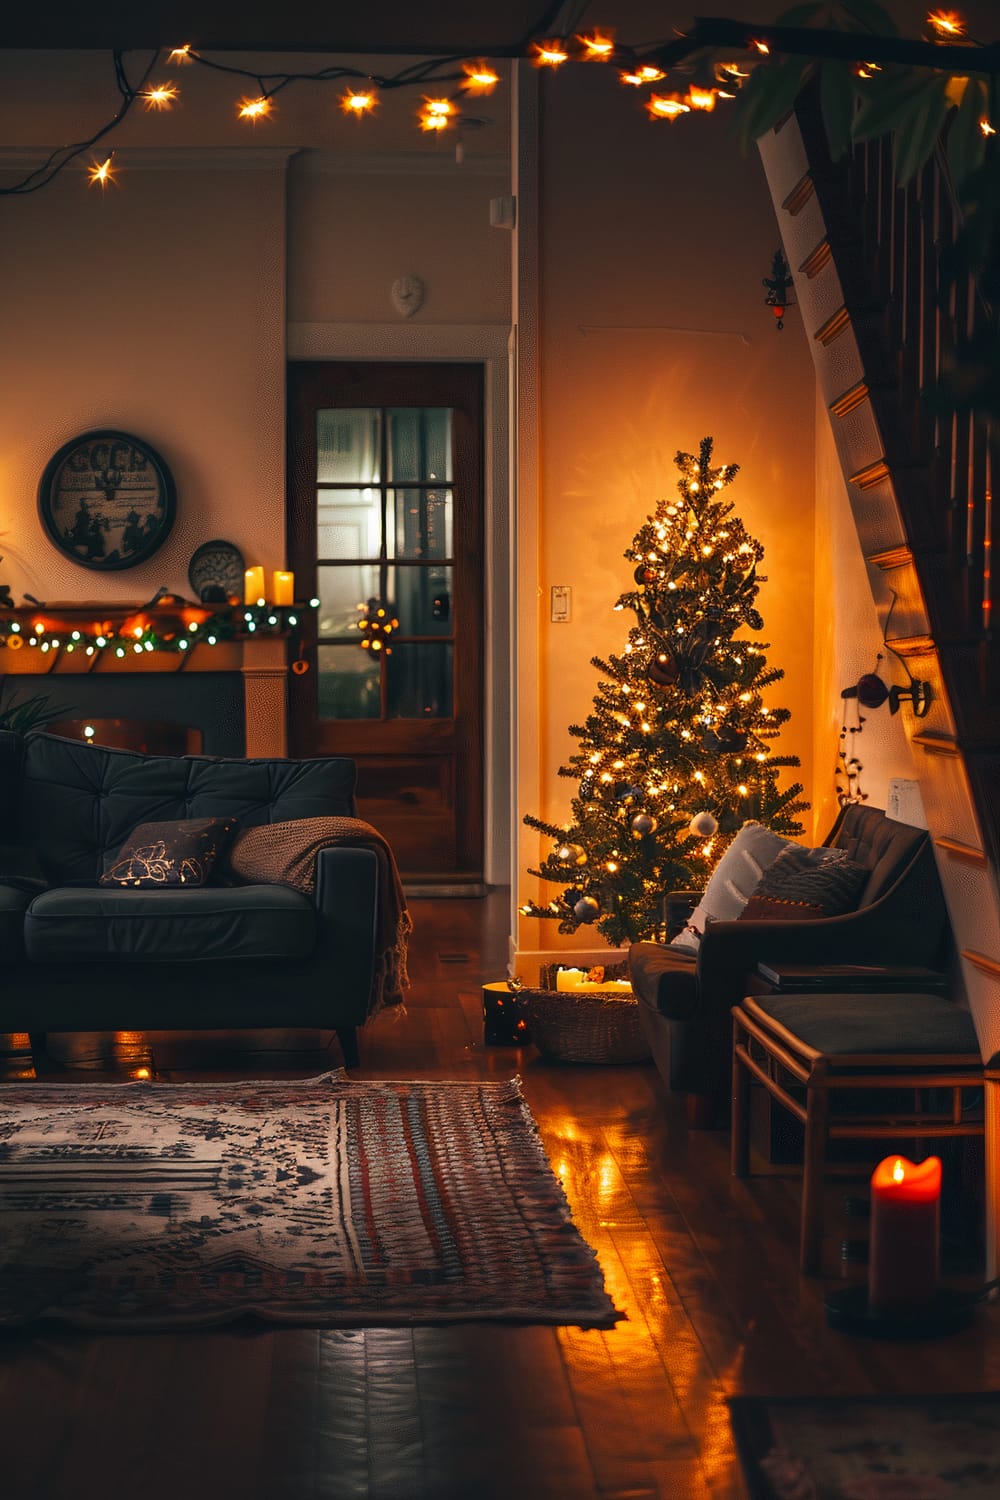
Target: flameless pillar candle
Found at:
x=253, y=585
x=905, y=1235
x=282, y=588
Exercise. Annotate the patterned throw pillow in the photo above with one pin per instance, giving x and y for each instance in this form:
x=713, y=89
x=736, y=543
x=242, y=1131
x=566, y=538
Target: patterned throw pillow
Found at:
x=825, y=879
x=162, y=855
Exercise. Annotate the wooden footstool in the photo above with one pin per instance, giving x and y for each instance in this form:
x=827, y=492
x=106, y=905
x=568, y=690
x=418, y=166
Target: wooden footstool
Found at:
x=906, y=1045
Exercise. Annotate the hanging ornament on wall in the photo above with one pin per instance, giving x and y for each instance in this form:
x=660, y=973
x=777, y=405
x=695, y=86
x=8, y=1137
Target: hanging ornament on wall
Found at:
x=587, y=909
x=642, y=824
x=704, y=824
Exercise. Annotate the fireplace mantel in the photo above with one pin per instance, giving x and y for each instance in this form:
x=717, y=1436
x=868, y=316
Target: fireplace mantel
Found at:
x=261, y=658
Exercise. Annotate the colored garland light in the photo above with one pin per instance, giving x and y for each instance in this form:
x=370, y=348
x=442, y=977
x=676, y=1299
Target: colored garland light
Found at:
x=181, y=55
x=701, y=98
x=436, y=114
x=641, y=76
x=986, y=127
x=376, y=625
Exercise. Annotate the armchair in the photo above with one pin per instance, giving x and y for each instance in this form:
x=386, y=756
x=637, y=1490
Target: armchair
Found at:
x=81, y=956
x=685, y=999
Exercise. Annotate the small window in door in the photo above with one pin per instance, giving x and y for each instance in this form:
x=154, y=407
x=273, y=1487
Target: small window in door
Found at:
x=384, y=562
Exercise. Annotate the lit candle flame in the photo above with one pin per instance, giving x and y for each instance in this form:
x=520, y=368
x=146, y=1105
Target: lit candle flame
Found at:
x=898, y=1171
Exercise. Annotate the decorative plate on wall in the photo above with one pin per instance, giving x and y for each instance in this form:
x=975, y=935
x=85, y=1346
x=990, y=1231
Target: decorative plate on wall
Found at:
x=107, y=500
x=215, y=572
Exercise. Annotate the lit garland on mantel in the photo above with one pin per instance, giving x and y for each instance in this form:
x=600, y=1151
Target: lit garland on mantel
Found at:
x=53, y=632
x=714, y=59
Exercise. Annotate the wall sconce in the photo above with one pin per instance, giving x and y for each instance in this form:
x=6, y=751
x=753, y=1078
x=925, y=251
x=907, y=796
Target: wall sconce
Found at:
x=779, y=288
x=872, y=692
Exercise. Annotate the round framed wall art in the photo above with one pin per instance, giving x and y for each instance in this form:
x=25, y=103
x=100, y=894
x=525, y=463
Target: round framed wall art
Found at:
x=107, y=500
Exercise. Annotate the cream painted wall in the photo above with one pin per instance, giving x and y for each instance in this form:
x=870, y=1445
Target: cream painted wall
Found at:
x=848, y=640
x=352, y=232
x=159, y=310
x=654, y=239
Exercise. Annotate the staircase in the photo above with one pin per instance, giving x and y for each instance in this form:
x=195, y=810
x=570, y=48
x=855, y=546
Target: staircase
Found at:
x=865, y=258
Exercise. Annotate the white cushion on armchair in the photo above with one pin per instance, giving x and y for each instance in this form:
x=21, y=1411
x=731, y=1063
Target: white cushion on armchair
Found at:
x=753, y=850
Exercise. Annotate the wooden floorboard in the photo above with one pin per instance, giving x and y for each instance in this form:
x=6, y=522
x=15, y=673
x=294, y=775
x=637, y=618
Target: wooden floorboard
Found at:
x=704, y=1268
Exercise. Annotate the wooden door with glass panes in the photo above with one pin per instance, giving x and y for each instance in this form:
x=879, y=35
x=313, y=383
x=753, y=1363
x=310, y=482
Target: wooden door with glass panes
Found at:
x=386, y=529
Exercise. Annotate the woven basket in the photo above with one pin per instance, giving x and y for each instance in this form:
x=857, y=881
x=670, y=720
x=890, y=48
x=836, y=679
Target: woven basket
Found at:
x=589, y=1026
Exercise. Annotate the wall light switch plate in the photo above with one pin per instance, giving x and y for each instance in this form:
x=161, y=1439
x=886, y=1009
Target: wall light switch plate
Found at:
x=562, y=601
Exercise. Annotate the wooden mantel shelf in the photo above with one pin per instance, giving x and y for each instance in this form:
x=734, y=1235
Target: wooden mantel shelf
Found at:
x=102, y=637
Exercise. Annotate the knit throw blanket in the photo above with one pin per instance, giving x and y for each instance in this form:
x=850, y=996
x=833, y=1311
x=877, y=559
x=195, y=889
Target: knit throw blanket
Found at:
x=285, y=854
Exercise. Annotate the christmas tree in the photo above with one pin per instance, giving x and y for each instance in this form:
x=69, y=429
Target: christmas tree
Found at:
x=677, y=753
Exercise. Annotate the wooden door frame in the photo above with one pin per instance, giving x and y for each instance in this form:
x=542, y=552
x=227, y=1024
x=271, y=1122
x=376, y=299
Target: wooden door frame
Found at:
x=490, y=346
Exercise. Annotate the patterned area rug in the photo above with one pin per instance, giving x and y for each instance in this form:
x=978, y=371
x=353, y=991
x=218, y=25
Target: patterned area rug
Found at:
x=323, y=1202
x=869, y=1447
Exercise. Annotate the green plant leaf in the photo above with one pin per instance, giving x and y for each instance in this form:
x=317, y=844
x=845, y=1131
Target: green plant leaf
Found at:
x=838, y=102
x=769, y=96
x=966, y=142
x=918, y=134
x=887, y=100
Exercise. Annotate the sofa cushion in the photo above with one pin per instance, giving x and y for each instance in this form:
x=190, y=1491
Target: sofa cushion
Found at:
x=159, y=855
x=752, y=851
x=13, y=903
x=173, y=926
x=874, y=1023
x=78, y=803
x=664, y=979
x=823, y=878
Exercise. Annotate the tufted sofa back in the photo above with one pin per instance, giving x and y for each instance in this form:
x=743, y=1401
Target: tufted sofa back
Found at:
x=78, y=803
x=886, y=848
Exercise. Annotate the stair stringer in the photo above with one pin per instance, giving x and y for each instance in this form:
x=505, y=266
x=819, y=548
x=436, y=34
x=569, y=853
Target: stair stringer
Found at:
x=846, y=380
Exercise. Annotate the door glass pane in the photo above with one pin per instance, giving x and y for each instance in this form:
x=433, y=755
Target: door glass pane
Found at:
x=347, y=683
x=419, y=443
x=341, y=591
x=423, y=521
x=347, y=445
x=423, y=601
x=418, y=681
x=348, y=523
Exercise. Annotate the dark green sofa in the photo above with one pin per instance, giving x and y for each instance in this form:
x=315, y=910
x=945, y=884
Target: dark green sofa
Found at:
x=77, y=956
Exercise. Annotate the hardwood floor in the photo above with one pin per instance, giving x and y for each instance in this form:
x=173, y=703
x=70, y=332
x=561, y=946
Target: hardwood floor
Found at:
x=703, y=1265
